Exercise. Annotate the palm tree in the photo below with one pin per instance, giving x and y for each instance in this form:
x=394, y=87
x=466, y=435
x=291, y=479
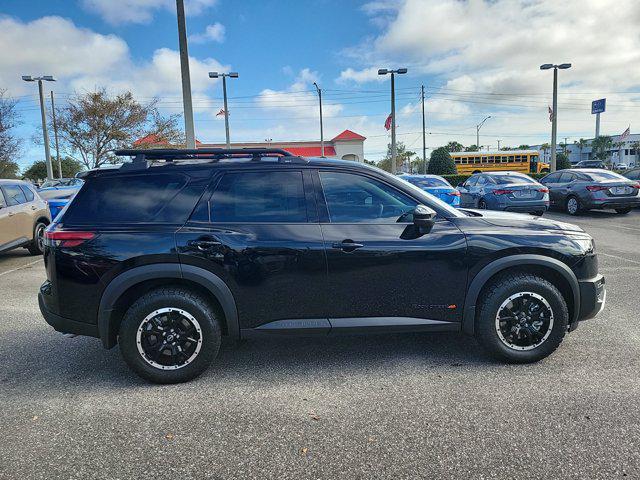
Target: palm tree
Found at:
x=581, y=144
x=545, y=148
x=636, y=145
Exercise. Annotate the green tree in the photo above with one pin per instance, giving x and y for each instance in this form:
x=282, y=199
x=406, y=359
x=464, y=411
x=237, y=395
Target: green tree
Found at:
x=441, y=162
x=472, y=148
x=9, y=143
x=524, y=147
x=562, y=161
x=454, y=147
x=600, y=147
x=636, y=146
x=402, y=156
x=581, y=144
x=93, y=124
x=38, y=169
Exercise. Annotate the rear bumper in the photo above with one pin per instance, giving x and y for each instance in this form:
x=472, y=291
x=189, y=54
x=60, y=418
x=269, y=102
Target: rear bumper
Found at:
x=593, y=296
x=527, y=208
x=62, y=324
x=632, y=202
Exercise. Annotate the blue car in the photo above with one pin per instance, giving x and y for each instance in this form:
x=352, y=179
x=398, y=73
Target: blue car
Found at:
x=60, y=187
x=508, y=191
x=436, y=186
x=57, y=204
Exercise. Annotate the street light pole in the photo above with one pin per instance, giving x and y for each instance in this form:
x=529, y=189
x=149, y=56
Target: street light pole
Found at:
x=224, y=95
x=424, y=140
x=399, y=71
x=43, y=113
x=186, y=77
x=321, y=131
x=55, y=134
x=554, y=114
x=478, y=127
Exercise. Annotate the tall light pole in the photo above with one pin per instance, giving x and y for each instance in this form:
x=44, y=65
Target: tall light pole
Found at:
x=554, y=114
x=186, y=77
x=321, y=131
x=43, y=113
x=399, y=71
x=424, y=140
x=224, y=94
x=478, y=127
x=55, y=134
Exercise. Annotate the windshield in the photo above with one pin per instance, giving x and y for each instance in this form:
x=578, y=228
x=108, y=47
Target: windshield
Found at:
x=50, y=183
x=511, y=179
x=604, y=176
x=427, y=182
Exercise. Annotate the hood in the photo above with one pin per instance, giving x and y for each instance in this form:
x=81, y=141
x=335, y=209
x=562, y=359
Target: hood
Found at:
x=521, y=220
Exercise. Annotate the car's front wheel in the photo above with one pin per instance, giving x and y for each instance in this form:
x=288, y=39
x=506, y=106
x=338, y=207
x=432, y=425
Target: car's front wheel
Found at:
x=170, y=335
x=522, y=318
x=623, y=211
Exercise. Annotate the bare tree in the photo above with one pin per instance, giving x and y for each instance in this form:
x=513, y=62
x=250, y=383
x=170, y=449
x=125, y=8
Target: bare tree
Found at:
x=9, y=143
x=93, y=124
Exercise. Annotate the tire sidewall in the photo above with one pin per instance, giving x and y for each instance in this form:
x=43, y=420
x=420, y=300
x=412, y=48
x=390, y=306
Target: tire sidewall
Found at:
x=486, y=320
x=197, y=307
x=577, y=211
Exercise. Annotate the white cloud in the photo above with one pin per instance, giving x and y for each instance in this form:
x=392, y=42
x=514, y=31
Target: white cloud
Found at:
x=213, y=33
x=118, y=12
x=360, y=76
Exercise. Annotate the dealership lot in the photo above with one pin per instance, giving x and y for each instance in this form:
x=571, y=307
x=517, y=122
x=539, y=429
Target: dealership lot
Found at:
x=376, y=406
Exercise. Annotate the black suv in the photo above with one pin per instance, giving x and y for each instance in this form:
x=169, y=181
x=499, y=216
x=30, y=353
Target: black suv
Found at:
x=178, y=248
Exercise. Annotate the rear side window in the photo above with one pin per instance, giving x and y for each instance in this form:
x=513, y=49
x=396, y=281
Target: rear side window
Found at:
x=259, y=197
x=28, y=193
x=14, y=195
x=128, y=199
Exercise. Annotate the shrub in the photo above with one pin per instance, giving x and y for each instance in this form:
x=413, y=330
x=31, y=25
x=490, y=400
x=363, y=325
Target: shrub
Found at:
x=441, y=162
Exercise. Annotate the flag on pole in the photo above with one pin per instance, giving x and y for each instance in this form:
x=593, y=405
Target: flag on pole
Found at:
x=221, y=112
x=387, y=123
x=550, y=114
x=625, y=134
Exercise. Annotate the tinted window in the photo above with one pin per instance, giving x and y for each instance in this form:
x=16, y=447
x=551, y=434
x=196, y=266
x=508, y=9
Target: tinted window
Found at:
x=511, y=179
x=604, y=176
x=259, y=197
x=566, y=177
x=126, y=199
x=14, y=195
x=471, y=181
x=356, y=199
x=27, y=192
x=553, y=178
x=482, y=181
x=426, y=182
x=635, y=175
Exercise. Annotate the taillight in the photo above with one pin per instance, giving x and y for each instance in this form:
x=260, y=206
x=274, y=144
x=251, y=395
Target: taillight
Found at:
x=502, y=192
x=455, y=193
x=68, y=238
x=543, y=190
x=637, y=185
x=596, y=188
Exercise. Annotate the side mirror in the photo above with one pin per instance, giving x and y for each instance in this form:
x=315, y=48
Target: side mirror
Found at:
x=424, y=216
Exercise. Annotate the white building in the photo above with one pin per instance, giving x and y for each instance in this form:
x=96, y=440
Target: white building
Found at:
x=628, y=152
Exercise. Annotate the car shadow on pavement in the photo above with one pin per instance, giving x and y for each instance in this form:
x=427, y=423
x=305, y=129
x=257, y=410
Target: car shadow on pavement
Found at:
x=54, y=362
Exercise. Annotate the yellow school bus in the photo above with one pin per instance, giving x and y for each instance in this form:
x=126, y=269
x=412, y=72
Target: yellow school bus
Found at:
x=524, y=161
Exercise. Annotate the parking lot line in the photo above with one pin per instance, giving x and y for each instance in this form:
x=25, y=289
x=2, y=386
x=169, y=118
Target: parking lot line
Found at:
x=20, y=267
x=619, y=257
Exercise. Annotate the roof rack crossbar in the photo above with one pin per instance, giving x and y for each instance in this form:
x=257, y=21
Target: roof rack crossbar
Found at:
x=176, y=153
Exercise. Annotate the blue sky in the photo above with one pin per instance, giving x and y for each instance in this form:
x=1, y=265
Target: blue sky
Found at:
x=477, y=58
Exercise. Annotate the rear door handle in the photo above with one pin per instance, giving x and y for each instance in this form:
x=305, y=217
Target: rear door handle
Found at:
x=205, y=244
x=347, y=245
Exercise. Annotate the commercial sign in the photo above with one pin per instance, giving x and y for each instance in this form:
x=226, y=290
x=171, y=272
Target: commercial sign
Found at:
x=598, y=106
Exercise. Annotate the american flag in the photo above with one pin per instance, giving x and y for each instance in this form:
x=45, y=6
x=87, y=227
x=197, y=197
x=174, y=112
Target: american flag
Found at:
x=626, y=133
x=550, y=114
x=221, y=112
x=387, y=123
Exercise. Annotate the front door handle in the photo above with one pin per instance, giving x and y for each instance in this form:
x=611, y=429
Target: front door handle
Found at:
x=347, y=245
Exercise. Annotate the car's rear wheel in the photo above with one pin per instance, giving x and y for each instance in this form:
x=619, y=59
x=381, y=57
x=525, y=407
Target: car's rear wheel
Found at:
x=538, y=213
x=572, y=205
x=170, y=335
x=522, y=318
x=482, y=205
x=36, y=247
x=623, y=211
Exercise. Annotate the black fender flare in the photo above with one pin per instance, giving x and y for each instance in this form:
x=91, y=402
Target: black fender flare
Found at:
x=479, y=281
x=120, y=284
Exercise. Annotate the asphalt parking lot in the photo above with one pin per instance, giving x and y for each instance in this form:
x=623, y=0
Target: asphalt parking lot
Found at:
x=401, y=406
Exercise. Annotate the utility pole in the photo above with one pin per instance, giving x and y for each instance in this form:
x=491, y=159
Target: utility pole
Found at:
x=224, y=94
x=498, y=145
x=186, y=77
x=399, y=71
x=554, y=114
x=424, y=138
x=321, y=131
x=43, y=113
x=55, y=134
x=478, y=127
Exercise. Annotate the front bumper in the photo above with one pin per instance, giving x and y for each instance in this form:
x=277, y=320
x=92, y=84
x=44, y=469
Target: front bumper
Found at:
x=593, y=296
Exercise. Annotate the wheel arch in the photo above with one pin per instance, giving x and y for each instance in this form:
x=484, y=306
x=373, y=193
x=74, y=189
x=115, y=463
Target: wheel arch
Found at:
x=550, y=268
x=124, y=289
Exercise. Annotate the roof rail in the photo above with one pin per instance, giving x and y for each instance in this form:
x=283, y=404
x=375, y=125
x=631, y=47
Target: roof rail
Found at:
x=142, y=157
